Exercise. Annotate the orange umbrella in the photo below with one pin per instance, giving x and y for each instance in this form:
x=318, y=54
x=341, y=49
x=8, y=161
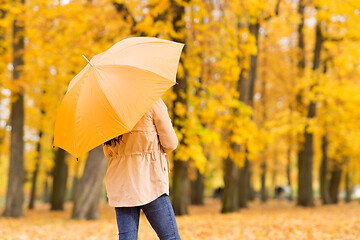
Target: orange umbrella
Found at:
x=115, y=89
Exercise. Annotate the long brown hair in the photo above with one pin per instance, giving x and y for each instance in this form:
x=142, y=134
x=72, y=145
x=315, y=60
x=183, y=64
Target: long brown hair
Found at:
x=114, y=141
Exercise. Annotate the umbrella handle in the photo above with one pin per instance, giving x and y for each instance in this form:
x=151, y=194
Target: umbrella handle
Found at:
x=88, y=60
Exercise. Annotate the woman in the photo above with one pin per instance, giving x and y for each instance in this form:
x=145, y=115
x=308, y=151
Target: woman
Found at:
x=137, y=175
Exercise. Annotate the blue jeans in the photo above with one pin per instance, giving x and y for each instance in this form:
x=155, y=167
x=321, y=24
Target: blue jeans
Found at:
x=159, y=213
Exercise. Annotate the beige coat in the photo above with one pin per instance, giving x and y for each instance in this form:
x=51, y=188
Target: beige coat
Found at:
x=138, y=169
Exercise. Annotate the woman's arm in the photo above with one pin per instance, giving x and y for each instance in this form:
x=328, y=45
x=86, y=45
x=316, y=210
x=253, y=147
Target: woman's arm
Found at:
x=165, y=130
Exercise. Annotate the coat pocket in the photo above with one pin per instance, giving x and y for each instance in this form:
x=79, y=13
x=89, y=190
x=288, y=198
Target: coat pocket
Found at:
x=162, y=159
x=165, y=164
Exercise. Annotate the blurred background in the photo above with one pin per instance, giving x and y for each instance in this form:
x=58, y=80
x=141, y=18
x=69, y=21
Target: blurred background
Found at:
x=267, y=104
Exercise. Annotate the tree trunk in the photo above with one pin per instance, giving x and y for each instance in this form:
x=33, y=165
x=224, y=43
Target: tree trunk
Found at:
x=197, y=190
x=274, y=174
x=324, y=182
x=251, y=192
x=60, y=175
x=35, y=174
x=88, y=190
x=230, y=193
x=180, y=199
x=288, y=172
x=74, y=187
x=263, y=192
x=15, y=192
x=348, y=188
x=74, y=183
x=46, y=197
x=305, y=192
x=93, y=212
x=243, y=185
x=335, y=183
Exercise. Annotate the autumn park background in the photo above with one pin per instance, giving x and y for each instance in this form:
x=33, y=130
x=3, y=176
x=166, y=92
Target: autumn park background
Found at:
x=268, y=96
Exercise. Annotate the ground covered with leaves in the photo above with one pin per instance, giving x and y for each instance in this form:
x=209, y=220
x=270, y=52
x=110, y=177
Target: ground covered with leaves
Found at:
x=274, y=220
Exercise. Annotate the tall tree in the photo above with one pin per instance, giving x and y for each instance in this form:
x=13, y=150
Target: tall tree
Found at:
x=74, y=183
x=263, y=190
x=15, y=192
x=301, y=60
x=288, y=169
x=45, y=195
x=336, y=174
x=88, y=191
x=180, y=198
x=348, y=188
x=230, y=192
x=197, y=189
x=263, y=167
x=323, y=173
x=60, y=175
x=244, y=172
x=230, y=196
x=36, y=172
x=248, y=98
x=323, y=170
x=305, y=189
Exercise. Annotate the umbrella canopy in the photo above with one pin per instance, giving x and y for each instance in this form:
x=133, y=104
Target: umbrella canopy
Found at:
x=115, y=89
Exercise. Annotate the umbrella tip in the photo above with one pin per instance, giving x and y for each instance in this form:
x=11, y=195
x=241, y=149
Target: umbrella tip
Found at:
x=77, y=159
x=88, y=60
